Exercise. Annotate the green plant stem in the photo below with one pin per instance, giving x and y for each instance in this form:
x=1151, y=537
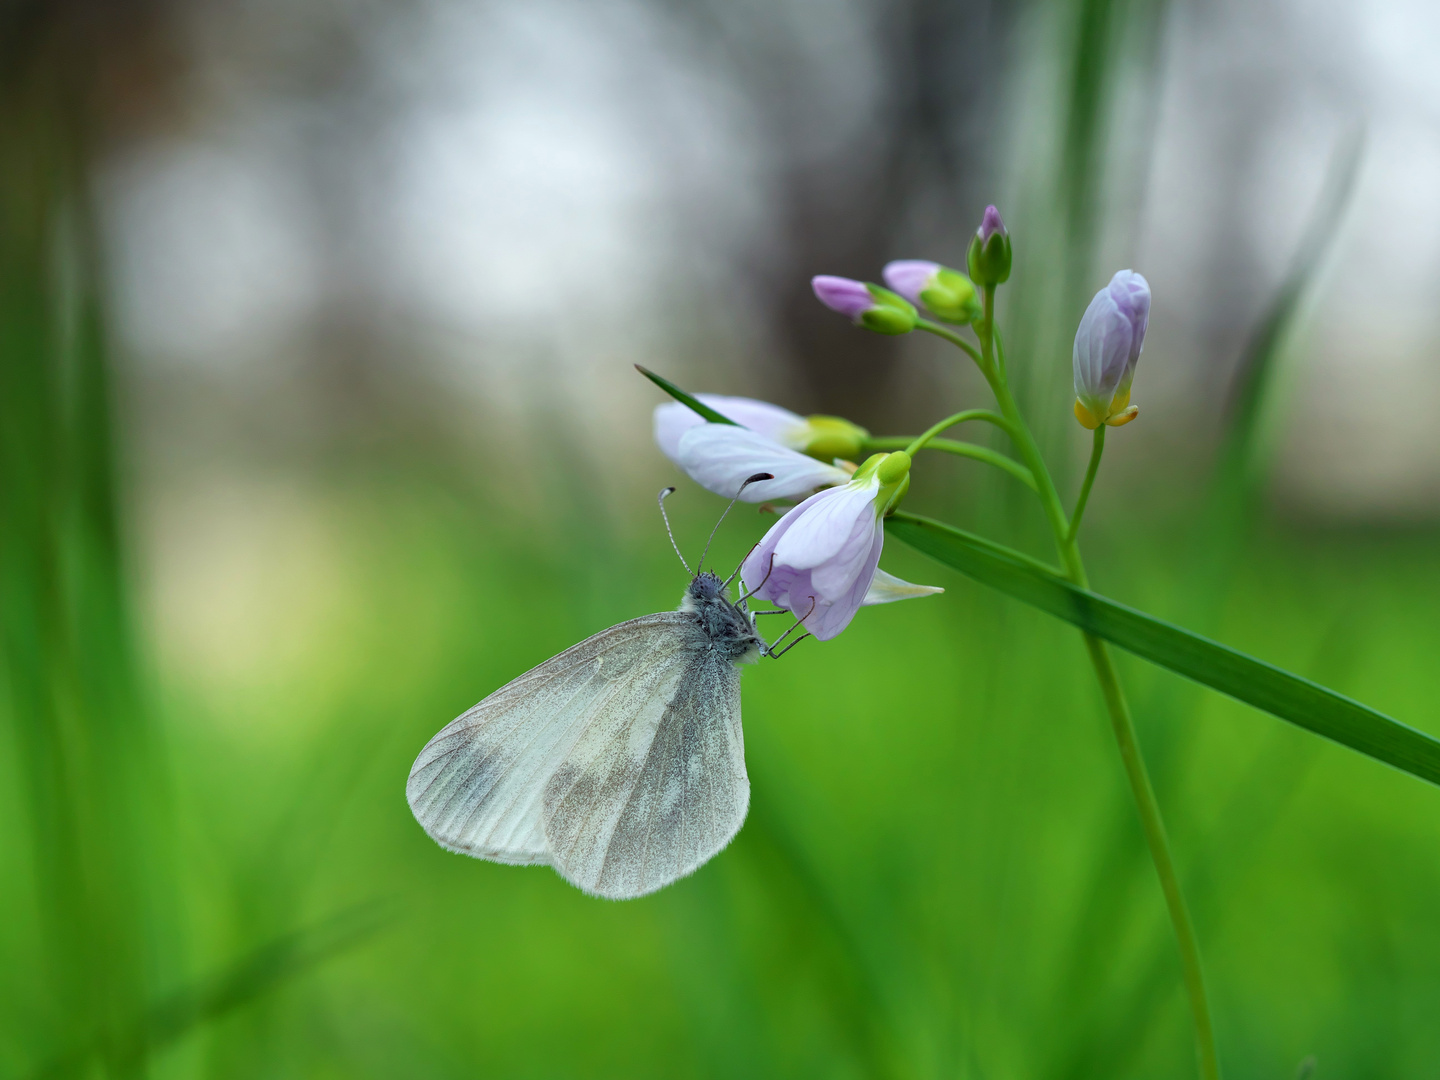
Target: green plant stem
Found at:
x=1115, y=703
x=1096, y=449
x=959, y=449
x=950, y=336
x=918, y=443
x=1159, y=845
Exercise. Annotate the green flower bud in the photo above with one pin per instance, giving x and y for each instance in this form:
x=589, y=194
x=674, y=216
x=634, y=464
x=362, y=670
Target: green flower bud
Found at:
x=989, y=255
x=893, y=468
x=952, y=297
x=832, y=437
x=892, y=473
x=891, y=313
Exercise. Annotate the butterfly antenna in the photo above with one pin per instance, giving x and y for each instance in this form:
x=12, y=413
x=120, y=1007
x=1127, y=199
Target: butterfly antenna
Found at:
x=733, y=576
x=748, y=481
x=666, y=518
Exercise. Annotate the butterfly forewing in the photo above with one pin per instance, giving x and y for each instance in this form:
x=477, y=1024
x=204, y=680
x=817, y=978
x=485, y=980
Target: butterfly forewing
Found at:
x=477, y=787
x=646, y=798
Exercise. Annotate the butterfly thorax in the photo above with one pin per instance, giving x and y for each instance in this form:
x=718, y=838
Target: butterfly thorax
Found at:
x=728, y=628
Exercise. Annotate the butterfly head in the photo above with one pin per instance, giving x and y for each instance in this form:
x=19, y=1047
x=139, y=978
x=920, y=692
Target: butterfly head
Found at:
x=705, y=588
x=728, y=628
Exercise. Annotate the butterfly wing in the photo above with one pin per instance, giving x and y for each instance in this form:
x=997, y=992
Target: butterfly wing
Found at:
x=477, y=787
x=647, y=796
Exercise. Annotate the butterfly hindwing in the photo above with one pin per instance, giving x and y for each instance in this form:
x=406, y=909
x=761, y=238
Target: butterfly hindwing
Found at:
x=477, y=787
x=645, y=797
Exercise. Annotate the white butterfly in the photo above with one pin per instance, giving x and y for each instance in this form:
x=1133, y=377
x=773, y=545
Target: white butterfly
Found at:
x=620, y=762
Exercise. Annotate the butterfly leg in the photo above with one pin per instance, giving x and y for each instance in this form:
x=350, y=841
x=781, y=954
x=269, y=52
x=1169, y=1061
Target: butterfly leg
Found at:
x=770, y=648
x=787, y=648
x=768, y=571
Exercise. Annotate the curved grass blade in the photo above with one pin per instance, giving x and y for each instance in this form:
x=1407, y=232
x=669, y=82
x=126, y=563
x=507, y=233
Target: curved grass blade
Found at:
x=250, y=978
x=1303, y=703
x=684, y=398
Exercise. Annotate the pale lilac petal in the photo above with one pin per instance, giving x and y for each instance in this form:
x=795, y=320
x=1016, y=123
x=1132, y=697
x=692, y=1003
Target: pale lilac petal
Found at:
x=887, y=588
x=781, y=425
x=833, y=615
x=908, y=276
x=721, y=457
x=990, y=224
x=1131, y=293
x=1102, y=349
x=824, y=524
x=848, y=297
x=835, y=576
x=756, y=570
x=794, y=588
x=1109, y=340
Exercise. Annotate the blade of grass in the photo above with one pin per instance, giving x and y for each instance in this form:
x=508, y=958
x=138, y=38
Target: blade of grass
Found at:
x=685, y=399
x=1301, y=702
x=253, y=976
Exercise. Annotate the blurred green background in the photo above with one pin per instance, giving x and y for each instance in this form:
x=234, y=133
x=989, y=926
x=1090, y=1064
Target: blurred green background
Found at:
x=317, y=424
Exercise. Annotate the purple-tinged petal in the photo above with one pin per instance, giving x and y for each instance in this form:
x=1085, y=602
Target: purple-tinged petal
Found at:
x=990, y=224
x=850, y=298
x=1108, y=343
x=1131, y=293
x=908, y=276
x=819, y=560
x=825, y=523
x=721, y=457
x=833, y=615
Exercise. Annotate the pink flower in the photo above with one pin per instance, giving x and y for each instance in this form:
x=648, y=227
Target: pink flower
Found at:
x=821, y=560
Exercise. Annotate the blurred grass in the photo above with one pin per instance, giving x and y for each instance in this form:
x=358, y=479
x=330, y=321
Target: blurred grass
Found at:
x=935, y=880
x=929, y=792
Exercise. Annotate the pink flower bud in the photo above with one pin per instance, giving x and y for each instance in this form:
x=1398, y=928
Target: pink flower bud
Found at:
x=1107, y=348
x=850, y=298
x=869, y=306
x=909, y=277
x=990, y=224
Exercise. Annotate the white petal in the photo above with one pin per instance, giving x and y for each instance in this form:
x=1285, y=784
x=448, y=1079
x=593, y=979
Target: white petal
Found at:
x=887, y=588
x=721, y=457
x=825, y=523
x=779, y=425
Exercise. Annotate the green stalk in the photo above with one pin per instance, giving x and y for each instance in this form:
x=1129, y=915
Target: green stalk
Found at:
x=1096, y=449
x=959, y=449
x=918, y=443
x=1115, y=704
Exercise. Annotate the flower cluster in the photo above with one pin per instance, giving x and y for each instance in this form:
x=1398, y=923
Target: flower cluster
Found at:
x=821, y=560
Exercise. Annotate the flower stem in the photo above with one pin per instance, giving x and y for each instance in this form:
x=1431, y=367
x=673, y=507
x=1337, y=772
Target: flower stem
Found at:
x=952, y=337
x=959, y=449
x=1096, y=449
x=918, y=443
x=1159, y=845
x=1115, y=704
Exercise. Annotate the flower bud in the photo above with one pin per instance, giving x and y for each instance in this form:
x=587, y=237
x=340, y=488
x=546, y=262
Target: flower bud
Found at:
x=1107, y=348
x=832, y=437
x=947, y=293
x=891, y=472
x=989, y=255
x=869, y=306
